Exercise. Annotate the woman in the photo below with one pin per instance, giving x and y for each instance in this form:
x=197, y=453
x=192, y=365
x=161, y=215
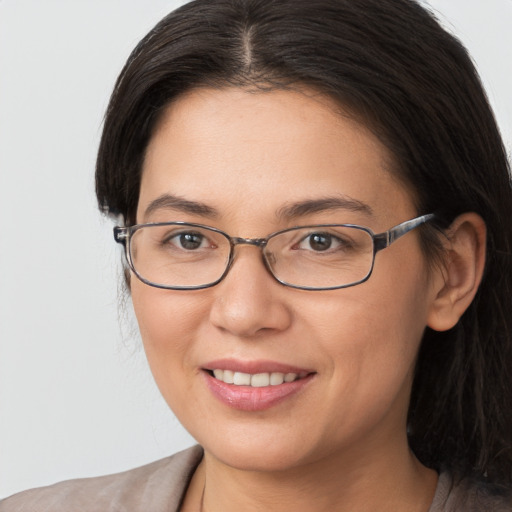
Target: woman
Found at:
x=360, y=362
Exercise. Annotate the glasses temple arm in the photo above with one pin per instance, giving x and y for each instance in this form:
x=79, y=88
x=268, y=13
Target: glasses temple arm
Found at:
x=385, y=239
x=120, y=235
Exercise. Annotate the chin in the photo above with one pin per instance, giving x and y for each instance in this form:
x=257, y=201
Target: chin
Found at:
x=264, y=452
x=257, y=459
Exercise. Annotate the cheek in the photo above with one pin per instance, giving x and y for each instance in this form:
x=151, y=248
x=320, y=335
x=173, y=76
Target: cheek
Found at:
x=396, y=317
x=372, y=335
x=368, y=340
x=168, y=322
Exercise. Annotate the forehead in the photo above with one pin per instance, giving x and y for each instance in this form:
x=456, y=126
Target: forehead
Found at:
x=241, y=151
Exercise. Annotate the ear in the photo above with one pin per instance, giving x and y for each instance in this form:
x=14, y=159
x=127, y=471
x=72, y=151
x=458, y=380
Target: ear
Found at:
x=458, y=278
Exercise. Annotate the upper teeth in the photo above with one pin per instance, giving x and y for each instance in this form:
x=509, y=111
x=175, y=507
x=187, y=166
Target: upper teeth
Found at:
x=257, y=380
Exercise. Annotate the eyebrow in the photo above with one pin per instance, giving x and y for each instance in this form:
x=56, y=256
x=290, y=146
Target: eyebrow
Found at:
x=288, y=211
x=310, y=206
x=171, y=202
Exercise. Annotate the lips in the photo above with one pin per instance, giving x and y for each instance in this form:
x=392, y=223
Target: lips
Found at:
x=254, y=386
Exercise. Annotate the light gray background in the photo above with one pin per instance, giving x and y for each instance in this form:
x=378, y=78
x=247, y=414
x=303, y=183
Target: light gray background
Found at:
x=76, y=398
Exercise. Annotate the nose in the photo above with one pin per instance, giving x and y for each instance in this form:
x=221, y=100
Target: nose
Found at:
x=249, y=301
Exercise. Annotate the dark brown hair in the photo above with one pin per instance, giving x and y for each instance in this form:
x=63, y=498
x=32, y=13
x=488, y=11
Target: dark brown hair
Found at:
x=392, y=65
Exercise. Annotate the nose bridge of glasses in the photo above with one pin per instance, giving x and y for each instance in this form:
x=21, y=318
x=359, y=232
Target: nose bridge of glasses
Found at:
x=258, y=242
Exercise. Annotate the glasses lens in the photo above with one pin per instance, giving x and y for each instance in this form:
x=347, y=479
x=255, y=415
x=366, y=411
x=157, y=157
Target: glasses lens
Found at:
x=179, y=255
x=321, y=256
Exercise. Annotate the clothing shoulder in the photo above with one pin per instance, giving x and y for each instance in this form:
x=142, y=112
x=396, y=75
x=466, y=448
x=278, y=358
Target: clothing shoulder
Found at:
x=470, y=496
x=158, y=486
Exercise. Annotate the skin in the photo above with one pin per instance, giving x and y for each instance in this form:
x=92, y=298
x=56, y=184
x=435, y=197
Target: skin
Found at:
x=340, y=443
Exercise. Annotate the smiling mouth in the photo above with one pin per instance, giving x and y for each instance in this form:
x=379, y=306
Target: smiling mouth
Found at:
x=256, y=380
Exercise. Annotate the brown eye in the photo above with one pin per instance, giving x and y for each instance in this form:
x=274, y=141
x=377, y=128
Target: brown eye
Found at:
x=320, y=241
x=186, y=241
x=325, y=242
x=190, y=241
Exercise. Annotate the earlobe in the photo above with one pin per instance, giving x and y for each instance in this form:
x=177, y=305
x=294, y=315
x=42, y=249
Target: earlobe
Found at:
x=458, y=278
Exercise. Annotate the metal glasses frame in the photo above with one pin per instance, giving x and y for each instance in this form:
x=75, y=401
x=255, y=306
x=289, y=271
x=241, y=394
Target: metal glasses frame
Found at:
x=123, y=235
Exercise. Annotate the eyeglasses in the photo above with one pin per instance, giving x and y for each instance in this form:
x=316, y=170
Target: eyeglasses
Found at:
x=184, y=256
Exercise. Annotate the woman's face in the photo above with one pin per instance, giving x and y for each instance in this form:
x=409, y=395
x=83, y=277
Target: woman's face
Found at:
x=251, y=164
